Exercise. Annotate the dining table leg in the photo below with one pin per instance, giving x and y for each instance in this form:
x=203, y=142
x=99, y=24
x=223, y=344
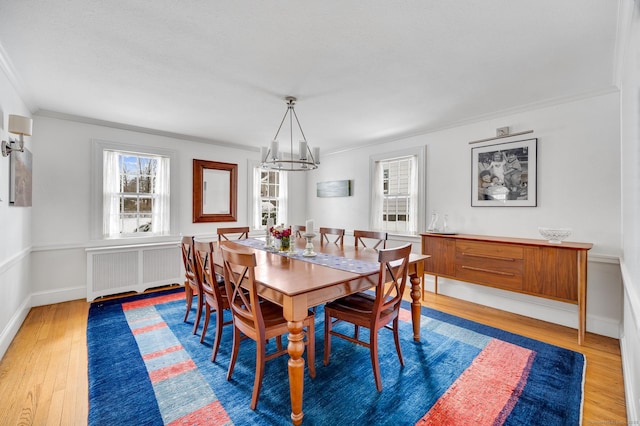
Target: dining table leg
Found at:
x=296, y=369
x=415, y=279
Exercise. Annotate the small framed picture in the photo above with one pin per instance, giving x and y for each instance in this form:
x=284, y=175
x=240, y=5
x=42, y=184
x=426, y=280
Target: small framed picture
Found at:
x=504, y=175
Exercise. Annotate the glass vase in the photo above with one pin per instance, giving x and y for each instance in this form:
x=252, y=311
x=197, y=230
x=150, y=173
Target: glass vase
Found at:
x=284, y=243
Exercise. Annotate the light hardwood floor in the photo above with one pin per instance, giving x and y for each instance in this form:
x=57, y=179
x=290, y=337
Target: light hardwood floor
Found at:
x=43, y=375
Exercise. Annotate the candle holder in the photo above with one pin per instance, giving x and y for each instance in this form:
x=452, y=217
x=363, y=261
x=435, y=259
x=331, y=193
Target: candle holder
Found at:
x=308, y=249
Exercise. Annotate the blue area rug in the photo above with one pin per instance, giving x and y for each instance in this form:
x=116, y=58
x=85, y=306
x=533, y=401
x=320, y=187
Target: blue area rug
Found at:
x=146, y=368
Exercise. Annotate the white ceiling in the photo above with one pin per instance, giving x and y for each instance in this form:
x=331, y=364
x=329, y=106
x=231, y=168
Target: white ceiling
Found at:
x=363, y=71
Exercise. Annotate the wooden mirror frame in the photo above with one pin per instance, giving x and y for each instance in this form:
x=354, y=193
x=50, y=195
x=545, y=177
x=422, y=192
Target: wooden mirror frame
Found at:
x=199, y=166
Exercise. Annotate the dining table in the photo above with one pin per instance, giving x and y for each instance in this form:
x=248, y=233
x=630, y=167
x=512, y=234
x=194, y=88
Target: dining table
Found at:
x=299, y=282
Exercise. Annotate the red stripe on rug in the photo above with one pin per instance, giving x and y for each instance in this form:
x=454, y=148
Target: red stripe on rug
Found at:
x=148, y=328
x=486, y=392
x=404, y=315
x=156, y=354
x=143, y=303
x=211, y=414
x=171, y=371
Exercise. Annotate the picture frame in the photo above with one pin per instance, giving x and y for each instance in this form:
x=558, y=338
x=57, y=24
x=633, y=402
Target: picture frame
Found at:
x=20, y=178
x=215, y=187
x=505, y=174
x=335, y=188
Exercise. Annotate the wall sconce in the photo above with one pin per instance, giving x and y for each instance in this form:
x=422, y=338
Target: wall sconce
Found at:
x=20, y=126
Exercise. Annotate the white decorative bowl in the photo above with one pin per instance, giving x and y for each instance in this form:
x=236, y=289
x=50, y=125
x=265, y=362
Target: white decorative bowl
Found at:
x=555, y=235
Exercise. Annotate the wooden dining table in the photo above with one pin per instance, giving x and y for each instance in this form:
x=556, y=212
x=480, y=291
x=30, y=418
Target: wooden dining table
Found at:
x=297, y=284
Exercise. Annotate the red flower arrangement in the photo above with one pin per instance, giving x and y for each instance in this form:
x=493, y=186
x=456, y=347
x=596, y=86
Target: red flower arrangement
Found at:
x=280, y=232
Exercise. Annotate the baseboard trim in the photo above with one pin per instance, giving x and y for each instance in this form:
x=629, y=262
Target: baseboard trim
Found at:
x=58, y=296
x=632, y=400
x=10, y=331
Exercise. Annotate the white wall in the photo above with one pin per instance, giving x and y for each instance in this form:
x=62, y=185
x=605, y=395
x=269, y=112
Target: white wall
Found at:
x=62, y=198
x=15, y=227
x=630, y=182
x=578, y=175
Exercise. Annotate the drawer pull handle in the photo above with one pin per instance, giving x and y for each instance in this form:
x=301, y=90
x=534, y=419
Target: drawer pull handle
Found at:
x=508, y=274
x=484, y=256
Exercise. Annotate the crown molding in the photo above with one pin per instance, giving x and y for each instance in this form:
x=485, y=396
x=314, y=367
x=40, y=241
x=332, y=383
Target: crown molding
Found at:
x=9, y=70
x=623, y=38
x=483, y=117
x=139, y=129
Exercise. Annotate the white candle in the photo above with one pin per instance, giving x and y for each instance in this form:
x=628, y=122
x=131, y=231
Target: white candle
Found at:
x=309, y=226
x=269, y=223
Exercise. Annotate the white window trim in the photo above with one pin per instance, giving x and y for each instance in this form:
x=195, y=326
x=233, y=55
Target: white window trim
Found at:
x=98, y=146
x=251, y=165
x=420, y=153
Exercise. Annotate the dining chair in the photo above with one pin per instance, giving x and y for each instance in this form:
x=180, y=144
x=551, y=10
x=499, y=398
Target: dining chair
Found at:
x=374, y=238
x=192, y=285
x=241, y=232
x=373, y=311
x=338, y=233
x=299, y=230
x=214, y=293
x=256, y=318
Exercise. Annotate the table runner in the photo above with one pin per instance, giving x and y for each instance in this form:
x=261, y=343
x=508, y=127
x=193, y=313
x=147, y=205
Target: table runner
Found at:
x=330, y=260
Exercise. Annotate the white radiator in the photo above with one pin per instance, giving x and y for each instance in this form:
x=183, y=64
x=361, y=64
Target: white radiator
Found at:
x=113, y=270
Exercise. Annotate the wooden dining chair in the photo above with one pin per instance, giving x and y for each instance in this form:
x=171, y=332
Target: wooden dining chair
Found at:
x=338, y=233
x=299, y=230
x=214, y=293
x=373, y=238
x=256, y=318
x=241, y=232
x=372, y=311
x=192, y=284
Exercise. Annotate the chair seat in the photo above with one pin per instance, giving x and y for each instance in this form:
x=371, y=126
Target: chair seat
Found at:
x=355, y=306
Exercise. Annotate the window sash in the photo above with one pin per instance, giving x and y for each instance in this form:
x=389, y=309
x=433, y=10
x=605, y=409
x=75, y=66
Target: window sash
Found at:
x=117, y=217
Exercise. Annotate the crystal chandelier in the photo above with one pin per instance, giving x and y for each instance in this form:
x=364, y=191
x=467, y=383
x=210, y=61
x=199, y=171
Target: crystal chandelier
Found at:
x=272, y=158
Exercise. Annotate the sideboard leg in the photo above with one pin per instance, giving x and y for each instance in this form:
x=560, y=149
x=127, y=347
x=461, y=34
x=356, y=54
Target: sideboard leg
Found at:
x=582, y=295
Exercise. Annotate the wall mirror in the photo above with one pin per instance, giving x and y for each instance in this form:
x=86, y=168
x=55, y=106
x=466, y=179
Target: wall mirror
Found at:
x=215, y=188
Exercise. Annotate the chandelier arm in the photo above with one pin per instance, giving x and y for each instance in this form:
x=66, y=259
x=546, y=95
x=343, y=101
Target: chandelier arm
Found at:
x=281, y=123
x=299, y=126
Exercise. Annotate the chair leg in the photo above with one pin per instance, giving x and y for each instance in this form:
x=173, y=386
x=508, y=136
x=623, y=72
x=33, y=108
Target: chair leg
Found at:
x=207, y=316
x=234, y=352
x=189, y=298
x=311, y=347
x=196, y=323
x=396, y=338
x=257, y=383
x=218, y=335
x=375, y=364
x=327, y=337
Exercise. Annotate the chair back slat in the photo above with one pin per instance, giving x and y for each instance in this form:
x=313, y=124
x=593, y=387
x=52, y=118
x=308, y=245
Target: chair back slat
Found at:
x=337, y=236
x=299, y=230
x=205, y=269
x=392, y=279
x=374, y=238
x=188, y=259
x=239, y=280
x=241, y=231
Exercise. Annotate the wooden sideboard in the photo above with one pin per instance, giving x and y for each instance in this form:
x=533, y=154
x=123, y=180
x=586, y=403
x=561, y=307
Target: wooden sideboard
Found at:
x=534, y=267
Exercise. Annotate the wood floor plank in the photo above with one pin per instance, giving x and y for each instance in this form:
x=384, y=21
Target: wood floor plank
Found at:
x=43, y=375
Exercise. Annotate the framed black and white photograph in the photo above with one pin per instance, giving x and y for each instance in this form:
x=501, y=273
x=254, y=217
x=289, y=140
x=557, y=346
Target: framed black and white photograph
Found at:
x=504, y=175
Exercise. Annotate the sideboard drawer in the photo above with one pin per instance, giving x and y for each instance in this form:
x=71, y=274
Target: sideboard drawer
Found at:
x=496, y=265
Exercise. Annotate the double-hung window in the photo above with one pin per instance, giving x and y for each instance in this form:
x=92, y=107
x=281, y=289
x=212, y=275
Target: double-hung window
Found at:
x=269, y=197
x=133, y=191
x=396, y=194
